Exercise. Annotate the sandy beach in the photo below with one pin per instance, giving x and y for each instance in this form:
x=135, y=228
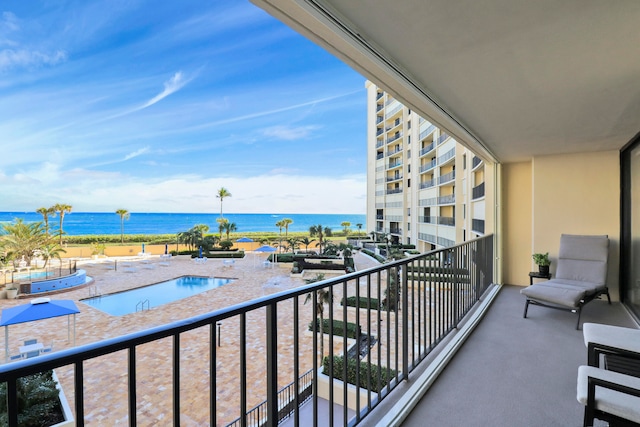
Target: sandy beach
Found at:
x=106, y=377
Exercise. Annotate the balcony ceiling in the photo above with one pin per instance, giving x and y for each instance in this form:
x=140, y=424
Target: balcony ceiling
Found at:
x=511, y=79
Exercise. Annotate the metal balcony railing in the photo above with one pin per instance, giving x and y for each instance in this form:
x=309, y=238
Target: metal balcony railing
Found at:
x=393, y=111
x=477, y=191
x=442, y=138
x=427, y=184
x=447, y=177
x=426, y=149
x=379, y=95
x=379, y=156
x=420, y=300
x=394, y=137
x=396, y=151
x=447, y=156
x=394, y=191
x=447, y=220
x=394, y=164
x=427, y=131
x=379, y=143
x=446, y=200
x=379, y=132
x=21, y=273
x=427, y=219
x=394, y=178
x=428, y=166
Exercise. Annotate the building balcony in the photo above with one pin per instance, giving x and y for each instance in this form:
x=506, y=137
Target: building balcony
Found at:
x=442, y=138
x=477, y=191
x=475, y=162
x=447, y=200
x=379, y=143
x=394, y=191
x=379, y=156
x=446, y=220
x=396, y=151
x=395, y=164
x=427, y=184
x=427, y=219
x=394, y=137
x=427, y=131
x=448, y=177
x=427, y=149
x=379, y=95
x=379, y=132
x=446, y=157
x=428, y=166
x=394, y=178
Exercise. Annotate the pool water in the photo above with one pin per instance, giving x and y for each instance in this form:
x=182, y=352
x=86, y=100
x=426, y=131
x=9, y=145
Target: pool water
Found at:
x=33, y=275
x=151, y=296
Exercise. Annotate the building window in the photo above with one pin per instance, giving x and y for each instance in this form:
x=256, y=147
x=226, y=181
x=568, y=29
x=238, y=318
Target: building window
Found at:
x=409, y=122
x=408, y=226
x=408, y=183
x=408, y=139
x=408, y=211
x=464, y=161
x=408, y=168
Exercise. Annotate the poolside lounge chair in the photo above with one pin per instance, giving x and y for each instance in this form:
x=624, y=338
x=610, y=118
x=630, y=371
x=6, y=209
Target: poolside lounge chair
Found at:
x=581, y=276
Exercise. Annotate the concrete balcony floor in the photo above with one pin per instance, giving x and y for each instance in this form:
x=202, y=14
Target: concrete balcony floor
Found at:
x=514, y=371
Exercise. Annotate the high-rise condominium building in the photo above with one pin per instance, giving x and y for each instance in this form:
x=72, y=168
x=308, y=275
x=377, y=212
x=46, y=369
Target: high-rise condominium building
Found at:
x=422, y=187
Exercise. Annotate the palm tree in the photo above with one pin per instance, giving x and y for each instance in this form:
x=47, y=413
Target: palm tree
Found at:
x=46, y=212
x=229, y=227
x=306, y=242
x=50, y=251
x=124, y=214
x=286, y=222
x=22, y=241
x=359, y=228
x=293, y=243
x=222, y=193
x=61, y=208
x=323, y=296
x=345, y=225
x=221, y=224
x=318, y=230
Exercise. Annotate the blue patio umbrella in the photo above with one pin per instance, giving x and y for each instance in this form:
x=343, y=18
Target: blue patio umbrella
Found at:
x=37, y=309
x=266, y=248
x=244, y=239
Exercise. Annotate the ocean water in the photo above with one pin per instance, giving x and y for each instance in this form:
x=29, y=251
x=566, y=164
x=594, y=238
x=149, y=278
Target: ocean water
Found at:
x=83, y=223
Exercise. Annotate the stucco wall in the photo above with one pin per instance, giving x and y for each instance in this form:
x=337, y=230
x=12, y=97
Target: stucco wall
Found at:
x=577, y=194
x=552, y=195
x=517, y=222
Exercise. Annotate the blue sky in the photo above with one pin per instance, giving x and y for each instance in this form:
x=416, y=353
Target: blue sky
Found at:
x=152, y=106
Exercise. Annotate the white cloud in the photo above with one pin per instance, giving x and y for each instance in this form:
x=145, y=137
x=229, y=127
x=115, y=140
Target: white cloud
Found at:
x=88, y=190
x=136, y=153
x=23, y=58
x=172, y=85
x=289, y=133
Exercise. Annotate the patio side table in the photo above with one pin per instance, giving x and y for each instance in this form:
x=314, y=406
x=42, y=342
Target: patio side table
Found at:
x=538, y=275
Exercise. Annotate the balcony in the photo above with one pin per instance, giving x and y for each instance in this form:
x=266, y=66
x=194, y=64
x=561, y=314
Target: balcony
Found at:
x=379, y=156
x=399, y=337
x=442, y=138
x=379, y=132
x=394, y=178
x=427, y=184
x=477, y=191
x=394, y=191
x=447, y=200
x=379, y=143
x=394, y=164
x=427, y=149
x=447, y=156
x=475, y=162
x=448, y=177
x=427, y=219
x=394, y=137
x=446, y=220
x=379, y=95
x=428, y=166
x=427, y=131
x=396, y=151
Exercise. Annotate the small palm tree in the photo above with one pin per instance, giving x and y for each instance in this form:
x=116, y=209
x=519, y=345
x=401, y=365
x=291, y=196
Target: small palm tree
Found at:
x=229, y=227
x=50, y=251
x=306, y=242
x=318, y=230
x=221, y=224
x=323, y=296
x=61, y=208
x=345, y=226
x=46, y=213
x=124, y=214
x=286, y=222
x=222, y=194
x=359, y=228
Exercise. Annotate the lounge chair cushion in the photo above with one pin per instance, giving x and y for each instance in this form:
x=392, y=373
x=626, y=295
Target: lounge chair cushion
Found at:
x=609, y=401
x=583, y=258
x=556, y=293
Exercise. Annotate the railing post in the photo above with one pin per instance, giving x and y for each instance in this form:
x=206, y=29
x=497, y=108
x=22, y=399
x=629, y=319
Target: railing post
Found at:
x=405, y=323
x=272, y=365
x=456, y=288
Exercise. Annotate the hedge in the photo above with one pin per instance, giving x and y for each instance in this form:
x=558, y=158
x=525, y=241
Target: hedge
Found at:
x=353, y=330
x=218, y=254
x=373, y=255
x=375, y=376
x=368, y=303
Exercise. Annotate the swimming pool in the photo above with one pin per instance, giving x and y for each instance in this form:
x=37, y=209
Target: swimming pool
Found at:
x=33, y=275
x=133, y=300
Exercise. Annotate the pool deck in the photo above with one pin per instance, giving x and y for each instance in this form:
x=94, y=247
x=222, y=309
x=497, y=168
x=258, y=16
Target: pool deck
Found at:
x=105, y=377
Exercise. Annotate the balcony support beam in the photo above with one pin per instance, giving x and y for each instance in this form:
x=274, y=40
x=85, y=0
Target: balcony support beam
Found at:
x=272, y=365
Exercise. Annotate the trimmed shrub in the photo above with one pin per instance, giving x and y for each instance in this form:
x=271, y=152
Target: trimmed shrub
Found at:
x=38, y=401
x=353, y=331
x=373, y=255
x=368, y=303
x=370, y=375
x=219, y=254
